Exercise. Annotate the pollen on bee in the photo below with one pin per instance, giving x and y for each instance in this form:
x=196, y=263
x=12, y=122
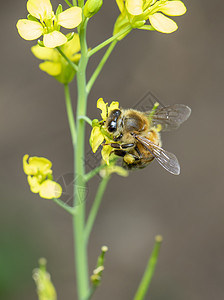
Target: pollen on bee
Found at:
x=129, y=159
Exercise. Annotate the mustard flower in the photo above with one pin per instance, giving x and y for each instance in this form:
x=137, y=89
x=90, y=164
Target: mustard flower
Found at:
x=42, y=21
x=39, y=177
x=99, y=133
x=137, y=12
x=54, y=64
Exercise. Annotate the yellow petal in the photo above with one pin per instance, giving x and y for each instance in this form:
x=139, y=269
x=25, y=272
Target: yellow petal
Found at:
x=120, y=4
x=173, y=8
x=162, y=23
x=36, y=164
x=113, y=105
x=31, y=167
x=96, y=138
x=103, y=106
x=26, y=167
x=107, y=149
x=41, y=9
x=45, y=53
x=34, y=184
x=29, y=30
x=50, y=189
x=134, y=7
x=54, y=39
x=41, y=164
x=52, y=68
x=76, y=58
x=71, y=17
x=72, y=47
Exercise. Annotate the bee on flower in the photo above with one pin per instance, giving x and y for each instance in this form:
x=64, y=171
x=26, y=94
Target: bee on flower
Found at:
x=135, y=135
x=43, y=21
x=137, y=12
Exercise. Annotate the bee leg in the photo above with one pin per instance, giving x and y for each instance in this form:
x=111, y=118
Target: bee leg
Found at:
x=126, y=146
x=121, y=146
x=139, y=152
x=121, y=153
x=115, y=145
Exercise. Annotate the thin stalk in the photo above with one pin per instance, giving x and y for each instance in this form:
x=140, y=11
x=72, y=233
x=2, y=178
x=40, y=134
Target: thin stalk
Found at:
x=80, y=3
x=86, y=119
x=74, y=3
x=95, y=207
x=69, y=4
x=81, y=259
x=91, y=292
x=100, y=66
x=74, y=66
x=110, y=40
x=66, y=207
x=70, y=114
x=149, y=271
x=95, y=171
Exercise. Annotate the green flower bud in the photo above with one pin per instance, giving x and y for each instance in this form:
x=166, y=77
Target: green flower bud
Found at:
x=92, y=7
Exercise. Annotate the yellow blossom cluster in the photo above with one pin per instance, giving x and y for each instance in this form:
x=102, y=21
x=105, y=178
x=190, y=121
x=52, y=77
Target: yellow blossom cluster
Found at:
x=43, y=21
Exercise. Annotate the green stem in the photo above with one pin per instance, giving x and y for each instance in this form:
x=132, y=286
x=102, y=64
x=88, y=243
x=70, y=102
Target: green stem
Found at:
x=149, y=271
x=74, y=66
x=91, y=292
x=70, y=114
x=81, y=259
x=87, y=119
x=69, y=4
x=100, y=66
x=74, y=3
x=95, y=171
x=95, y=207
x=108, y=41
x=66, y=207
x=80, y=3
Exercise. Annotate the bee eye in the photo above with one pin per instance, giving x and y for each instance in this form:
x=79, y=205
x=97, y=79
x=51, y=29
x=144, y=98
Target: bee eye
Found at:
x=116, y=112
x=112, y=126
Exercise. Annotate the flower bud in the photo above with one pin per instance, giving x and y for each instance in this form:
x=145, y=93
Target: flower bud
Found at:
x=92, y=7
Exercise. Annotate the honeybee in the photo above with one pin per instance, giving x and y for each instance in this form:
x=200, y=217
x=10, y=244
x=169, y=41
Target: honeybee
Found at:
x=136, y=135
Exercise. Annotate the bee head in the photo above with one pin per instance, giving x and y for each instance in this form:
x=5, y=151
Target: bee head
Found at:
x=112, y=120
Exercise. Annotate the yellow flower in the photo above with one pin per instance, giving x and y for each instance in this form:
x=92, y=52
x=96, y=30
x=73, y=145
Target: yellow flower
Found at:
x=99, y=132
x=45, y=288
x=54, y=64
x=43, y=21
x=137, y=12
x=39, y=176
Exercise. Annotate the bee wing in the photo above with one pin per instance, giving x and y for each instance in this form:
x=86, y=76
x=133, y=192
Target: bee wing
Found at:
x=166, y=159
x=170, y=117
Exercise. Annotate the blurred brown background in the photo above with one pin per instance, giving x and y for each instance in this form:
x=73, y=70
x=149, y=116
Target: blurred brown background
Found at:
x=185, y=67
